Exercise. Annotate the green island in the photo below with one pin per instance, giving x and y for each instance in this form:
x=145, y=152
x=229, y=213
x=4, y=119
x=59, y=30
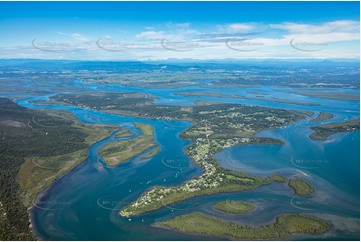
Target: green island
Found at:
x=278, y=178
x=124, y=133
x=37, y=147
x=152, y=153
x=325, y=130
x=328, y=95
x=215, y=127
x=322, y=116
x=277, y=100
x=235, y=207
x=115, y=153
x=209, y=94
x=301, y=187
x=222, y=95
x=285, y=225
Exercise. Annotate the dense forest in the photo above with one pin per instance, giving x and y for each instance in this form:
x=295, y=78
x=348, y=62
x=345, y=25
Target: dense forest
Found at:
x=26, y=133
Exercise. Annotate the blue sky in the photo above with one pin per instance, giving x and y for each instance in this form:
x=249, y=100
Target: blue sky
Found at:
x=162, y=30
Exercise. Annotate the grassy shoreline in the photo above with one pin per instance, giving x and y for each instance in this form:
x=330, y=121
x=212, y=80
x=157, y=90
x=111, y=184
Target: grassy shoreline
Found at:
x=300, y=187
x=322, y=116
x=234, y=207
x=322, y=132
x=32, y=174
x=151, y=153
x=124, y=133
x=283, y=226
x=117, y=152
x=259, y=98
x=38, y=147
x=327, y=95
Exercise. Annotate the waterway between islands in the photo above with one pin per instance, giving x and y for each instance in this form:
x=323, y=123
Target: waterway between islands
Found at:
x=84, y=204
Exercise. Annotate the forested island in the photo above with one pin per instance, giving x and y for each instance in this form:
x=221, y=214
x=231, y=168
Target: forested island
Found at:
x=261, y=98
x=328, y=95
x=325, y=130
x=234, y=207
x=284, y=225
x=119, y=151
x=301, y=187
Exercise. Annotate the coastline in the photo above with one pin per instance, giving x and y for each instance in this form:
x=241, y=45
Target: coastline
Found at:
x=43, y=193
x=261, y=181
x=274, y=220
x=78, y=165
x=211, y=238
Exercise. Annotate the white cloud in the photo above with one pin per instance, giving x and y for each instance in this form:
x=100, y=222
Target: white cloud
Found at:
x=236, y=27
x=340, y=26
x=174, y=34
x=151, y=35
x=240, y=27
x=76, y=36
x=180, y=29
x=79, y=37
x=264, y=41
x=325, y=33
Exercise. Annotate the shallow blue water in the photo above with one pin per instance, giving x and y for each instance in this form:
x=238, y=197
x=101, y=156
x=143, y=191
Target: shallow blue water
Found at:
x=84, y=204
